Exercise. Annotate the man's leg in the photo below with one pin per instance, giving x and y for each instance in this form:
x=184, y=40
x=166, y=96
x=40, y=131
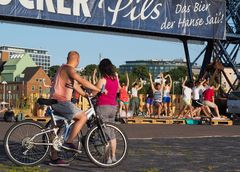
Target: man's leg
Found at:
x=80, y=120
x=206, y=110
x=217, y=111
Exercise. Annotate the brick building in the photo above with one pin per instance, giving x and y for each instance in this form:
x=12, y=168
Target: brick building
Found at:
x=29, y=86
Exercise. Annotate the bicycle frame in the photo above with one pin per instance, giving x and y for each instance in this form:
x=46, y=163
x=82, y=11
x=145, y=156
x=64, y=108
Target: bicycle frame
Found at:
x=90, y=113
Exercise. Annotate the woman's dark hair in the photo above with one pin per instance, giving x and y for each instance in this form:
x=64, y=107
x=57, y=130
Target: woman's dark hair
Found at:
x=190, y=84
x=106, y=68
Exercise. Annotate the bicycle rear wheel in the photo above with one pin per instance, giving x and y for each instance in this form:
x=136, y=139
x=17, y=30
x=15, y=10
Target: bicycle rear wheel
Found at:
x=100, y=153
x=19, y=146
x=67, y=155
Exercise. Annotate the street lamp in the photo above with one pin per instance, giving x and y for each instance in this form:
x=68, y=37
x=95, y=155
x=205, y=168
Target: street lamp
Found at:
x=4, y=83
x=9, y=97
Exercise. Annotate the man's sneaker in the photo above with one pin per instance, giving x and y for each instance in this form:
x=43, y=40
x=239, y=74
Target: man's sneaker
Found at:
x=58, y=163
x=71, y=147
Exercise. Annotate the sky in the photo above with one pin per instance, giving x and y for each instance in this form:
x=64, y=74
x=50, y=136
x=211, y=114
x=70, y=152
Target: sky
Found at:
x=59, y=41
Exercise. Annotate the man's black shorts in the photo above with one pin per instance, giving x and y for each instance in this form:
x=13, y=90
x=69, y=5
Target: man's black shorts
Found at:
x=196, y=103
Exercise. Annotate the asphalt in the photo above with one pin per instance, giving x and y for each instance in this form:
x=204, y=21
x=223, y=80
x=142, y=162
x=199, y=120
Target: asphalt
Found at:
x=155, y=148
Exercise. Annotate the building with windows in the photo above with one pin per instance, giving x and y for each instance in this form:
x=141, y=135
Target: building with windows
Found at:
x=13, y=68
x=39, y=56
x=29, y=87
x=154, y=66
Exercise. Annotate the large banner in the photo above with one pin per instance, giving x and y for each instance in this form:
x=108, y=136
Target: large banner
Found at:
x=195, y=18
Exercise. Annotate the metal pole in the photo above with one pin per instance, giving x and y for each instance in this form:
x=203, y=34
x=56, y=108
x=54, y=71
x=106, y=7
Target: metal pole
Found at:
x=9, y=93
x=4, y=94
x=173, y=87
x=189, y=66
x=207, y=58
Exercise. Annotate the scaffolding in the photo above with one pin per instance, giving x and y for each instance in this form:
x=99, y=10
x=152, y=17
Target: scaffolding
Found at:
x=223, y=51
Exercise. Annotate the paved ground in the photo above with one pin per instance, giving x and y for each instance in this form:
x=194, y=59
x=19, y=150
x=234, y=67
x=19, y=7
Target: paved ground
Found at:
x=169, y=148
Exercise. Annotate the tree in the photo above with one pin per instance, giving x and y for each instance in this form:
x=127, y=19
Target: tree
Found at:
x=88, y=70
x=140, y=72
x=177, y=75
x=53, y=70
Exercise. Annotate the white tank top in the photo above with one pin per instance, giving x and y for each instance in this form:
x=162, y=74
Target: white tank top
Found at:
x=134, y=92
x=166, y=92
x=196, y=93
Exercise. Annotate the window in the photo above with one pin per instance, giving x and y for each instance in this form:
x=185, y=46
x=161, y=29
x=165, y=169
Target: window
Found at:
x=37, y=80
x=40, y=90
x=33, y=88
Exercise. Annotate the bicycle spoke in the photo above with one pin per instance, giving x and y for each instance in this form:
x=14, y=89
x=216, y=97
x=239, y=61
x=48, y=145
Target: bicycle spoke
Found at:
x=99, y=146
x=17, y=142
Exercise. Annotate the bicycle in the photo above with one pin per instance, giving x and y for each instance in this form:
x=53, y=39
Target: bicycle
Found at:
x=28, y=142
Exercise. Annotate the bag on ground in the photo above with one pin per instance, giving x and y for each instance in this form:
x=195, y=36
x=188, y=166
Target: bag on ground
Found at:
x=9, y=116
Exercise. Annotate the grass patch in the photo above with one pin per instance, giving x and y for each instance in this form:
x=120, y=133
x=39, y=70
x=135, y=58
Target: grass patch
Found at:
x=7, y=168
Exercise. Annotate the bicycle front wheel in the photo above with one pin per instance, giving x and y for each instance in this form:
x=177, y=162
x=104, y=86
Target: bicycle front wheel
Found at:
x=19, y=146
x=106, y=147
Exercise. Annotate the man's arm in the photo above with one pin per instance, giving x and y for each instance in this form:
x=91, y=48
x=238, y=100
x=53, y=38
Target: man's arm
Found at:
x=72, y=74
x=213, y=99
x=78, y=88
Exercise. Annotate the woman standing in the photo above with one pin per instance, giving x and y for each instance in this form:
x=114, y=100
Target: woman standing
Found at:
x=166, y=94
x=135, y=99
x=149, y=102
x=187, y=99
x=123, y=96
x=107, y=104
x=157, y=95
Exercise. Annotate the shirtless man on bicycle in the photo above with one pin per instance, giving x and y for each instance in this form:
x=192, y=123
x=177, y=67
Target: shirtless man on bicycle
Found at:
x=66, y=80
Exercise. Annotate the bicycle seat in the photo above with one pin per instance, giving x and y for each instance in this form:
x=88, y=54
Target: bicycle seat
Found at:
x=42, y=101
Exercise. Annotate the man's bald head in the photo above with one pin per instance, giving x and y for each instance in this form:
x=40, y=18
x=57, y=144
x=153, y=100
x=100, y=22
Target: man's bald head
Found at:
x=73, y=58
